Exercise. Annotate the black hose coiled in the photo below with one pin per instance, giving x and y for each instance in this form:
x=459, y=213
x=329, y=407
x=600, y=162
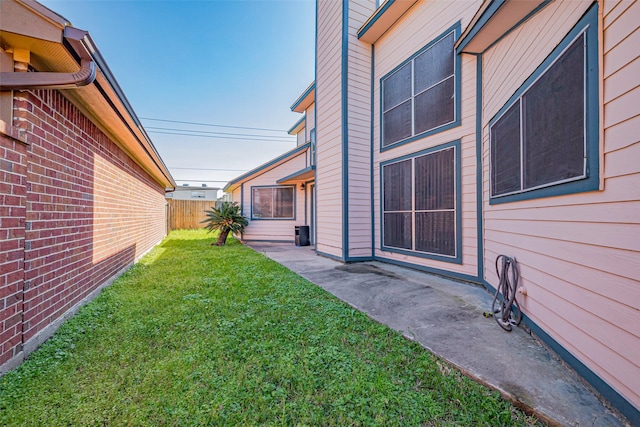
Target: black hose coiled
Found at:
x=507, y=272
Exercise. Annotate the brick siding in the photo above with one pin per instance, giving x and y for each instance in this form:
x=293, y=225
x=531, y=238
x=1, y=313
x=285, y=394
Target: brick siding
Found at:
x=78, y=208
x=13, y=192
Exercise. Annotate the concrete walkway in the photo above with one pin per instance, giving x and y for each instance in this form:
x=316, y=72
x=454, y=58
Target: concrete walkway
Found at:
x=445, y=316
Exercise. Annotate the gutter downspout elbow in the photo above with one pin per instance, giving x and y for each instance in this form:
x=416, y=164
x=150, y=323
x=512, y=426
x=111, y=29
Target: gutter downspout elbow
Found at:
x=73, y=38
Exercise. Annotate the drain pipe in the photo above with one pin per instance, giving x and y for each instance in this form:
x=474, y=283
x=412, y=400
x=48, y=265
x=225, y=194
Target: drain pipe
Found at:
x=73, y=39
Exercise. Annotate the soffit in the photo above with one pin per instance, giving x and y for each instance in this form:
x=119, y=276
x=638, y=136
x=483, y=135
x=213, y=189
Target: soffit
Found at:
x=302, y=175
x=43, y=24
x=305, y=100
x=383, y=19
x=495, y=19
x=45, y=55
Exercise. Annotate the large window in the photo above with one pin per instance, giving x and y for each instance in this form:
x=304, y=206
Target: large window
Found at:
x=420, y=204
x=272, y=202
x=420, y=95
x=544, y=141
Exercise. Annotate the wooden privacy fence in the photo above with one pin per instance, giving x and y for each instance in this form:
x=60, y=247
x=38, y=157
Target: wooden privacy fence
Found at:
x=187, y=213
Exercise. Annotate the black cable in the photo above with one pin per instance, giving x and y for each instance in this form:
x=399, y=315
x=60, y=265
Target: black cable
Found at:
x=204, y=132
x=220, y=137
x=212, y=125
x=209, y=169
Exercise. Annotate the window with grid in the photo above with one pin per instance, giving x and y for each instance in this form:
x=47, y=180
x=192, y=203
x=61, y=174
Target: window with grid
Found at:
x=419, y=203
x=419, y=96
x=544, y=141
x=272, y=202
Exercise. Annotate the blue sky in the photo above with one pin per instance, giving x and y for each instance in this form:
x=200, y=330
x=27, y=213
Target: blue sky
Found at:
x=233, y=63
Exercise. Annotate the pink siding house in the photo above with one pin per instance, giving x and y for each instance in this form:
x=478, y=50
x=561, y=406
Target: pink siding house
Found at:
x=278, y=197
x=449, y=133
x=82, y=187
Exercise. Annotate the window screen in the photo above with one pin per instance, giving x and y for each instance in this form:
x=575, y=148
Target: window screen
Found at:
x=397, y=186
x=397, y=87
x=420, y=96
x=419, y=203
x=397, y=230
x=505, y=152
x=541, y=140
x=435, y=232
x=553, y=115
x=435, y=182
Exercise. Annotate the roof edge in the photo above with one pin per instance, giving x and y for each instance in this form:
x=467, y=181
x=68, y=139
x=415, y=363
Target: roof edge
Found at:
x=297, y=176
x=383, y=18
x=292, y=130
x=493, y=21
x=298, y=106
x=233, y=184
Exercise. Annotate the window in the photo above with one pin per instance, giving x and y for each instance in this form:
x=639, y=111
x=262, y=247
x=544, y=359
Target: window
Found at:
x=545, y=140
x=312, y=151
x=198, y=195
x=272, y=202
x=420, y=204
x=420, y=95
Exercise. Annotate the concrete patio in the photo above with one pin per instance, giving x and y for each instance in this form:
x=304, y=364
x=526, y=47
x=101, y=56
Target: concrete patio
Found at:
x=446, y=317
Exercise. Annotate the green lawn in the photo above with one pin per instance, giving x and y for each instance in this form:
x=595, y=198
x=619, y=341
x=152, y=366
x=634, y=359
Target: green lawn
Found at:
x=202, y=335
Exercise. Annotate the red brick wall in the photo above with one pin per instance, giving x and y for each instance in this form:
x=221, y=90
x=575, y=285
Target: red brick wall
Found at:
x=13, y=191
x=90, y=210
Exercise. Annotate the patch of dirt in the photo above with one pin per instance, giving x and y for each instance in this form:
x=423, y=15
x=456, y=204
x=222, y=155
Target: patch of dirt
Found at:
x=367, y=269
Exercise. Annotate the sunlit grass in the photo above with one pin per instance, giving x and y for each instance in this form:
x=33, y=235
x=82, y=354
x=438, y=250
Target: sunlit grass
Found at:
x=203, y=335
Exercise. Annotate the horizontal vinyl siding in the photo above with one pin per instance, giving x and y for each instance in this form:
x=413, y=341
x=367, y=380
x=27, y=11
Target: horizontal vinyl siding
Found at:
x=277, y=229
x=578, y=254
x=425, y=22
x=310, y=120
x=301, y=137
x=328, y=128
x=359, y=126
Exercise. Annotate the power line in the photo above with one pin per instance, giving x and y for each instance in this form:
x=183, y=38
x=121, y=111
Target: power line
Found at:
x=284, y=138
x=218, y=137
x=199, y=180
x=213, y=125
x=206, y=169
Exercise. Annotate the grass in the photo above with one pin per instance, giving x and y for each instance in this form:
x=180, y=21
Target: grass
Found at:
x=202, y=335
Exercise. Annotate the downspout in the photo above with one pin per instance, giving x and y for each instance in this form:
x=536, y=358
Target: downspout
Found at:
x=73, y=38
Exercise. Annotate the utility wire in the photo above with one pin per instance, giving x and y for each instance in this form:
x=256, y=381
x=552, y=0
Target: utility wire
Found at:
x=213, y=125
x=200, y=180
x=284, y=138
x=206, y=169
x=219, y=137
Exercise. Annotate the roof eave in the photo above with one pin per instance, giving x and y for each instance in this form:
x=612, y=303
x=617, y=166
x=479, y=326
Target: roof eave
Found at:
x=384, y=17
x=493, y=21
x=236, y=182
x=305, y=100
x=301, y=175
x=298, y=126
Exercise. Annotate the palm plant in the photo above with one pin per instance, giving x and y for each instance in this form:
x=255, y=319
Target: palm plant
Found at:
x=226, y=218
